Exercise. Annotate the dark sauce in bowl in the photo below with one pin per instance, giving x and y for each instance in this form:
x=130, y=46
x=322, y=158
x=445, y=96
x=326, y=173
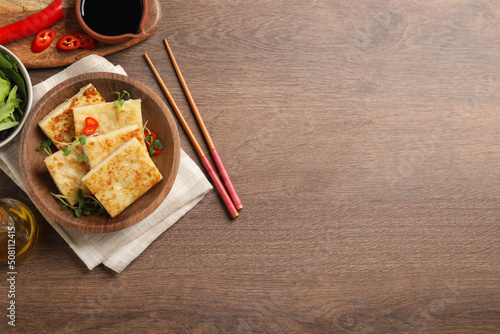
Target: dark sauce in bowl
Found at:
x=113, y=17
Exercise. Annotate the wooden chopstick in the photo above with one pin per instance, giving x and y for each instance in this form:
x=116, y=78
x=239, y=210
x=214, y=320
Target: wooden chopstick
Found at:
x=204, y=130
x=204, y=159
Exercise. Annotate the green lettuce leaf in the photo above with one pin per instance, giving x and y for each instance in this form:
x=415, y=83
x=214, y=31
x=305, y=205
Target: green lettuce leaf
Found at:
x=4, y=88
x=10, y=105
x=8, y=125
x=10, y=70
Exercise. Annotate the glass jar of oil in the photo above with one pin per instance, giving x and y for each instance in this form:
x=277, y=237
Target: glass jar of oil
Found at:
x=18, y=230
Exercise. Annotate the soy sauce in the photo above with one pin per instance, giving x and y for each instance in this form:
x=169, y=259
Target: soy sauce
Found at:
x=113, y=17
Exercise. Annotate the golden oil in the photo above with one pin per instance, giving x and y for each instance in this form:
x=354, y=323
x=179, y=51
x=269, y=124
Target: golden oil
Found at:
x=18, y=230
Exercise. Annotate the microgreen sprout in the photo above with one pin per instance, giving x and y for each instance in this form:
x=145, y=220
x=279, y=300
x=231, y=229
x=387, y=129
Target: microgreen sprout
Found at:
x=153, y=144
x=82, y=140
x=119, y=100
x=45, y=146
x=84, y=206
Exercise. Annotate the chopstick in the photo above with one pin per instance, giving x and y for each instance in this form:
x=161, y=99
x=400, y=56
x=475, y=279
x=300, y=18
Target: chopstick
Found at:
x=204, y=159
x=215, y=154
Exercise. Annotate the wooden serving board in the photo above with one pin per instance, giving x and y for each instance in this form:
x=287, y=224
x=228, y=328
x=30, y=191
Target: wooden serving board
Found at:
x=14, y=10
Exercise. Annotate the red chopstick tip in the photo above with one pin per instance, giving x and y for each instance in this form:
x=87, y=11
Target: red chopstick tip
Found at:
x=220, y=187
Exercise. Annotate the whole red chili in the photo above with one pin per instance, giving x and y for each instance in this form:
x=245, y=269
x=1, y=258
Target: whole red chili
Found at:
x=33, y=23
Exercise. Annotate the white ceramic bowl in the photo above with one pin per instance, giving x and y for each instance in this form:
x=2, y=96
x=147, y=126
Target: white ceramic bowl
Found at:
x=29, y=91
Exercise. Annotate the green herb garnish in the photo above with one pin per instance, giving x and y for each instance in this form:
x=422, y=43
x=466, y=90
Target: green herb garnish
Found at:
x=155, y=144
x=82, y=140
x=45, y=146
x=120, y=101
x=84, y=206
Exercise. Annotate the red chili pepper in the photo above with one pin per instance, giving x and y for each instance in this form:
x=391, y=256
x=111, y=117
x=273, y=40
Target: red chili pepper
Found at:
x=87, y=41
x=153, y=136
x=68, y=42
x=89, y=121
x=153, y=139
x=42, y=40
x=33, y=23
x=89, y=130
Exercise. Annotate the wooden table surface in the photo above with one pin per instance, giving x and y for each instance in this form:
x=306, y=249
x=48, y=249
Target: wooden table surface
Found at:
x=361, y=136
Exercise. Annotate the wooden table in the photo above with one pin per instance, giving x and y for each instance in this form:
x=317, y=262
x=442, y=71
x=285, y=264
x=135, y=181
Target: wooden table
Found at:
x=361, y=136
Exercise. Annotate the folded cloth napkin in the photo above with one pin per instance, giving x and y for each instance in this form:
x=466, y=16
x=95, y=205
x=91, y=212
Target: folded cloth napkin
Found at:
x=116, y=250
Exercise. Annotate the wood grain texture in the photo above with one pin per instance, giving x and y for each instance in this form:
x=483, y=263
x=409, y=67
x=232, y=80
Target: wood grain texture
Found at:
x=52, y=56
x=39, y=183
x=16, y=6
x=362, y=140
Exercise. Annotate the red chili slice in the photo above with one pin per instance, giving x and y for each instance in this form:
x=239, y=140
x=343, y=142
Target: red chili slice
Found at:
x=42, y=40
x=89, y=121
x=87, y=42
x=68, y=42
x=89, y=130
x=153, y=136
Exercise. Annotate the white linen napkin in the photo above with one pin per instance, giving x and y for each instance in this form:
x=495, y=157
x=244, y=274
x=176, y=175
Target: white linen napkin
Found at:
x=116, y=250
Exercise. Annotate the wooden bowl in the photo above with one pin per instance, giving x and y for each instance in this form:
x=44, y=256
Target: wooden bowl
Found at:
x=39, y=183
